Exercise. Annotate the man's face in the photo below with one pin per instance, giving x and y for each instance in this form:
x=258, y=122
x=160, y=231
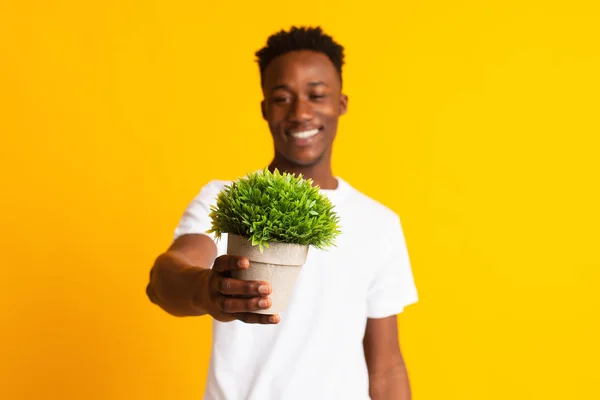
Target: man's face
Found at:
x=302, y=104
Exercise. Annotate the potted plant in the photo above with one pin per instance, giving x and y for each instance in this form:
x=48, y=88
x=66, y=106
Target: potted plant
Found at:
x=272, y=219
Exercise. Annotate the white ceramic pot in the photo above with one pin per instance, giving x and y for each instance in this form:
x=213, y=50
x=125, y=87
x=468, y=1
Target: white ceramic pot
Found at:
x=279, y=264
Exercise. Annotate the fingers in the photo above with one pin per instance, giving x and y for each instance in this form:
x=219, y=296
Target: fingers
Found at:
x=227, y=263
x=251, y=318
x=237, y=287
x=231, y=305
x=248, y=296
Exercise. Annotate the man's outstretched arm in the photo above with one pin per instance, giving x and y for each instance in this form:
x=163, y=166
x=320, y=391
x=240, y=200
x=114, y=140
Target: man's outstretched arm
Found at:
x=388, y=378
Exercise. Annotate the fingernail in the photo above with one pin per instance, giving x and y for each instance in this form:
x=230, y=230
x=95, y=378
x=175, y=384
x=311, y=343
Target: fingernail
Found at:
x=273, y=319
x=263, y=303
x=242, y=263
x=263, y=289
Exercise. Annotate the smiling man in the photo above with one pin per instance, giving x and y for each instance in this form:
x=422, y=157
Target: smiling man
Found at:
x=338, y=339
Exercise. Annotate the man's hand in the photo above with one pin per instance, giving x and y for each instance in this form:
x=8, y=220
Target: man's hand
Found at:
x=182, y=283
x=227, y=299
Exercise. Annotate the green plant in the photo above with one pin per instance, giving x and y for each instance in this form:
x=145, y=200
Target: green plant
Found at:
x=273, y=207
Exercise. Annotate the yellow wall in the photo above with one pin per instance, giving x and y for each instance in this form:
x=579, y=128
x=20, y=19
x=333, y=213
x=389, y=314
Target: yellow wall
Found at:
x=476, y=121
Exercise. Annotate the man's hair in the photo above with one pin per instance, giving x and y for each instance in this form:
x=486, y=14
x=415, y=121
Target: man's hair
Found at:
x=300, y=38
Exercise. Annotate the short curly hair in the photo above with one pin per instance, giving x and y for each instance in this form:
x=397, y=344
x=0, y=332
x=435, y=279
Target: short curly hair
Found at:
x=300, y=38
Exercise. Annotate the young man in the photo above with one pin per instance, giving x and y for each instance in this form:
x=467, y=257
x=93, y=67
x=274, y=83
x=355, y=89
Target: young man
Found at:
x=338, y=339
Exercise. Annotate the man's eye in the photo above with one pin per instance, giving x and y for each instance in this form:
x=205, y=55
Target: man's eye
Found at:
x=317, y=96
x=279, y=99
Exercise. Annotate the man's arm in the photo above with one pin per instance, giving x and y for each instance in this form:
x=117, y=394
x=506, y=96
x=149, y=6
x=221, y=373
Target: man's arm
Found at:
x=388, y=378
x=181, y=274
x=183, y=283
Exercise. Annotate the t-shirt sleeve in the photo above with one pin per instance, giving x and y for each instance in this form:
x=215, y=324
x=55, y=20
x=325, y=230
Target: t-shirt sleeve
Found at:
x=196, y=217
x=393, y=286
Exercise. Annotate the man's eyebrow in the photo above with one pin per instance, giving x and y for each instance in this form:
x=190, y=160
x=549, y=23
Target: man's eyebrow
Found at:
x=286, y=87
x=282, y=86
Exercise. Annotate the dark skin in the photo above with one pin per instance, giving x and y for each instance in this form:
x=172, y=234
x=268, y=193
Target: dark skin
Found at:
x=302, y=93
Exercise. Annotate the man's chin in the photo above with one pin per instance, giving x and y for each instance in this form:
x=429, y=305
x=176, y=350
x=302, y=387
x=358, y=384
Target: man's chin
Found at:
x=305, y=161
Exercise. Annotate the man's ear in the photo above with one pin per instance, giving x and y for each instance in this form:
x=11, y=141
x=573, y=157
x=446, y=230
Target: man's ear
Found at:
x=343, y=104
x=263, y=110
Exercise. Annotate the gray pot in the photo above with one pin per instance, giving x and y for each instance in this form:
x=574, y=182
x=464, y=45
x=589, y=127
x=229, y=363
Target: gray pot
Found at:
x=279, y=264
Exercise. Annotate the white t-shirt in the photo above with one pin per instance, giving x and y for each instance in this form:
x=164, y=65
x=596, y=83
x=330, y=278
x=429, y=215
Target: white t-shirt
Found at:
x=316, y=351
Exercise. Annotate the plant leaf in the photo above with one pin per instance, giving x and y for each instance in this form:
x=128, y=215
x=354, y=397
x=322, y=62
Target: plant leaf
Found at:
x=275, y=207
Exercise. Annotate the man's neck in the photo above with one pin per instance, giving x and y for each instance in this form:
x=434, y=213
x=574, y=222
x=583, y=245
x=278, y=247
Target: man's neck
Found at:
x=320, y=173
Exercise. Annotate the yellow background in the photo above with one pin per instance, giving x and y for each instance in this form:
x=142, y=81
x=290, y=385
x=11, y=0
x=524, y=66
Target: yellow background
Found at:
x=478, y=122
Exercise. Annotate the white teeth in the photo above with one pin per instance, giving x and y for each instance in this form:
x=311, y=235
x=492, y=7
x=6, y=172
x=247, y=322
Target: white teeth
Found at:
x=305, y=134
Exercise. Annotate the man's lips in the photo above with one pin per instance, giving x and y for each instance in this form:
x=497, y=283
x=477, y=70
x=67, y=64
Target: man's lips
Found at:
x=303, y=137
x=303, y=133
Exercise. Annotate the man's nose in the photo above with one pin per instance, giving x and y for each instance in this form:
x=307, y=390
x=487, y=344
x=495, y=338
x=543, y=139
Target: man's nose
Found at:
x=301, y=111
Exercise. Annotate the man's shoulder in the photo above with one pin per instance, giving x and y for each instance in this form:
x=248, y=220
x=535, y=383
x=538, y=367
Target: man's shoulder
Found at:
x=213, y=186
x=208, y=191
x=371, y=208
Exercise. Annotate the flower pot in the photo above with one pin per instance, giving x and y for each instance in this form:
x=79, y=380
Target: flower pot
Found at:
x=279, y=264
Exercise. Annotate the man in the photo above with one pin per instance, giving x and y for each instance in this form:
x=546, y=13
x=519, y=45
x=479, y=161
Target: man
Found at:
x=338, y=339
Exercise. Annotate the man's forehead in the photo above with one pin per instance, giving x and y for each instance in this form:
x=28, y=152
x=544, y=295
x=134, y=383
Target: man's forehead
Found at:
x=306, y=66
